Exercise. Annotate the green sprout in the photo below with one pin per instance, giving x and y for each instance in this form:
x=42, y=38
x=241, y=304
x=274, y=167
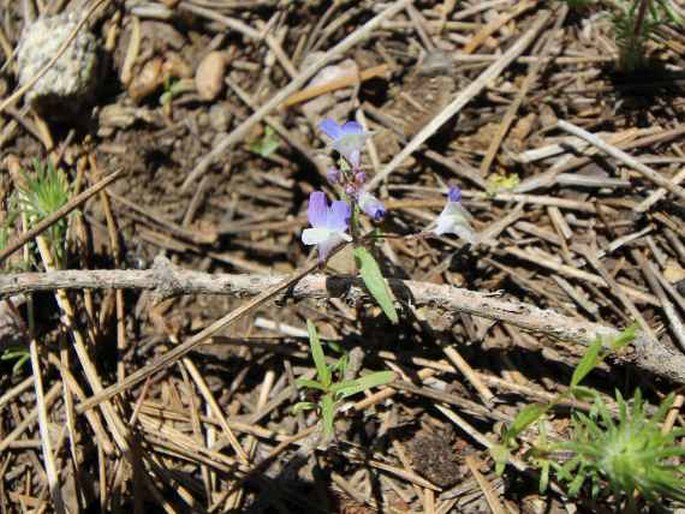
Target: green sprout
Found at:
x=630, y=453
x=634, y=23
x=267, y=144
x=43, y=193
x=21, y=354
x=331, y=385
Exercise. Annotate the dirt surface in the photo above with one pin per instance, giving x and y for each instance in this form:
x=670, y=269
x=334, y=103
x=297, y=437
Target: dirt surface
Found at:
x=558, y=225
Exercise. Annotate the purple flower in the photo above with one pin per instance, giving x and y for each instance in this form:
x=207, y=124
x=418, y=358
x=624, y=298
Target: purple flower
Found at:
x=329, y=224
x=347, y=139
x=371, y=206
x=454, y=219
x=333, y=175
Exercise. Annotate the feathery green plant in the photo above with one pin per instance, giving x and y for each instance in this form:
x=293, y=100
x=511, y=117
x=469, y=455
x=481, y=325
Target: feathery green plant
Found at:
x=634, y=23
x=330, y=385
x=630, y=453
x=44, y=192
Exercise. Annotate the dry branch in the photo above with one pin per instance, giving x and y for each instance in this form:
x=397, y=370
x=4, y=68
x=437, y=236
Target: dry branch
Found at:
x=165, y=281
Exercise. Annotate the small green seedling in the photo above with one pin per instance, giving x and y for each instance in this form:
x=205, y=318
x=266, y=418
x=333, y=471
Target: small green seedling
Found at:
x=19, y=353
x=634, y=23
x=267, y=144
x=43, y=193
x=630, y=453
x=596, y=353
x=330, y=385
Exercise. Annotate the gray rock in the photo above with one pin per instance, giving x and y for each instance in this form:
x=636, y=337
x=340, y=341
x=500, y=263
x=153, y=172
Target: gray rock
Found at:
x=71, y=81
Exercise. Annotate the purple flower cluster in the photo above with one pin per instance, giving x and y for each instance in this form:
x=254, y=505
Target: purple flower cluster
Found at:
x=330, y=224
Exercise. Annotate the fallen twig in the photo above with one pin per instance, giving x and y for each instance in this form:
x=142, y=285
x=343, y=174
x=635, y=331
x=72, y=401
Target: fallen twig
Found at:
x=626, y=159
x=167, y=281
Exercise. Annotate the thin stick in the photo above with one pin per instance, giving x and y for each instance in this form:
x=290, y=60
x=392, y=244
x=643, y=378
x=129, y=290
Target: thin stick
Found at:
x=295, y=84
x=350, y=79
x=623, y=157
x=485, y=486
x=464, y=97
x=46, y=223
x=43, y=428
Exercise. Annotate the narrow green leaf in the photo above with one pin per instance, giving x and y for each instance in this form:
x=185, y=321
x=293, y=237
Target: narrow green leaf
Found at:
x=375, y=283
x=544, y=476
x=351, y=387
x=627, y=335
x=525, y=417
x=327, y=414
x=589, y=361
x=317, y=354
x=302, y=406
x=311, y=384
x=500, y=454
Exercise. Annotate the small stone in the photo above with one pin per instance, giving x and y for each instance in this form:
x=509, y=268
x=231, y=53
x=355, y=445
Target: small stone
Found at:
x=175, y=66
x=209, y=77
x=219, y=117
x=147, y=80
x=71, y=81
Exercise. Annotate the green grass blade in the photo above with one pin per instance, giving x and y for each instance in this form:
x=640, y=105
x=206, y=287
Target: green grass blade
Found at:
x=317, y=354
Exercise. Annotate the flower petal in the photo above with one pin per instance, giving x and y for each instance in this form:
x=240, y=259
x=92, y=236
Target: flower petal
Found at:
x=351, y=127
x=371, y=206
x=350, y=147
x=317, y=209
x=330, y=128
x=315, y=236
x=454, y=219
x=326, y=247
x=338, y=218
x=454, y=194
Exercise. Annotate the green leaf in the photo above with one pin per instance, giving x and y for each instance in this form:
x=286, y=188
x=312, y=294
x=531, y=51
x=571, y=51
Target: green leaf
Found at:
x=350, y=387
x=627, y=335
x=311, y=384
x=500, y=454
x=317, y=354
x=544, y=476
x=375, y=283
x=302, y=406
x=268, y=144
x=589, y=361
x=327, y=414
x=525, y=417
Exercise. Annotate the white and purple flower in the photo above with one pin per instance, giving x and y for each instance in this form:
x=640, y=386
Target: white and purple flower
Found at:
x=329, y=224
x=370, y=205
x=454, y=219
x=347, y=139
